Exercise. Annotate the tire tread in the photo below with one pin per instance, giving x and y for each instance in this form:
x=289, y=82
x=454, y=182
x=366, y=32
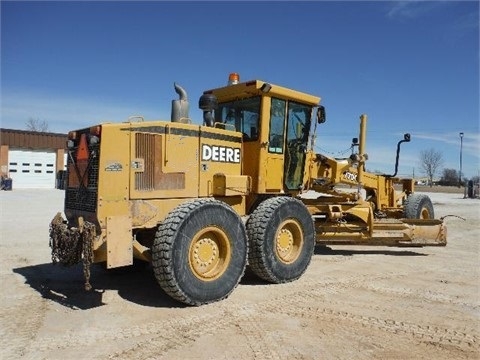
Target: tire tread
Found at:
x=256, y=233
x=162, y=250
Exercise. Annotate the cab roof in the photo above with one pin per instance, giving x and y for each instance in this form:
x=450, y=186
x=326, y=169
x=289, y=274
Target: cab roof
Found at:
x=259, y=87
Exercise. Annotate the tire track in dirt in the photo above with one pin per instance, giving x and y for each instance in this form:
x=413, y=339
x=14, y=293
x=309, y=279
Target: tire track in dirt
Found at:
x=419, y=294
x=433, y=335
x=430, y=333
x=236, y=315
x=172, y=338
x=158, y=338
x=71, y=339
x=261, y=345
x=426, y=333
x=333, y=285
x=180, y=331
x=19, y=326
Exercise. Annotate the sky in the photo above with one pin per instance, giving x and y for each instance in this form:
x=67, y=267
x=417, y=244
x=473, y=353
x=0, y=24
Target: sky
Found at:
x=411, y=66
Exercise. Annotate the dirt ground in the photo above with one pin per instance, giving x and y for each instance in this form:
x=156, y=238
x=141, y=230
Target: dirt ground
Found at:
x=352, y=303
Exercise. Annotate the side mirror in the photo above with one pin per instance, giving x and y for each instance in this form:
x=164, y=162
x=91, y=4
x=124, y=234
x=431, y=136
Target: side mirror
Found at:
x=321, y=115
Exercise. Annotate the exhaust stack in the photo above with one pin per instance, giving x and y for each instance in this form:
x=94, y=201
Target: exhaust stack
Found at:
x=180, y=107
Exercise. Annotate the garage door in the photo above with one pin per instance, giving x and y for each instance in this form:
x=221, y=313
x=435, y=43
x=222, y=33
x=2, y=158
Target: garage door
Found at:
x=32, y=169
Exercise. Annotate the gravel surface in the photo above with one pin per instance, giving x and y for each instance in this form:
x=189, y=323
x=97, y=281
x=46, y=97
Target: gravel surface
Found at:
x=352, y=303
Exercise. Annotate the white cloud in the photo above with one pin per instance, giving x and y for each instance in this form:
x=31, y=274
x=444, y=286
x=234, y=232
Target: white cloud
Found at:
x=382, y=155
x=65, y=113
x=471, y=141
x=412, y=9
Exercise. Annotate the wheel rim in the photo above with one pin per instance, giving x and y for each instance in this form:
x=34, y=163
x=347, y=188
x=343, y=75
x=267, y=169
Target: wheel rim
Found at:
x=424, y=213
x=209, y=253
x=289, y=241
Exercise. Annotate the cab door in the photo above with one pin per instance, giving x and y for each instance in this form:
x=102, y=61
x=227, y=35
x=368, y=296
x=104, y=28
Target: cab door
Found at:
x=297, y=131
x=274, y=162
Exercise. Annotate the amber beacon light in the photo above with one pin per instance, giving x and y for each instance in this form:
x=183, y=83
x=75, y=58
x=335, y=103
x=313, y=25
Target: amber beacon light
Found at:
x=233, y=79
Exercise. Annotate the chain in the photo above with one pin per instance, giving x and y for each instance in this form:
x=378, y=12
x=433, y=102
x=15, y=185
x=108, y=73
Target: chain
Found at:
x=88, y=235
x=341, y=152
x=65, y=243
x=70, y=246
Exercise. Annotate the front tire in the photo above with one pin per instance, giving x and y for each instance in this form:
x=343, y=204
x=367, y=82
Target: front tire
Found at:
x=281, y=237
x=200, y=252
x=418, y=206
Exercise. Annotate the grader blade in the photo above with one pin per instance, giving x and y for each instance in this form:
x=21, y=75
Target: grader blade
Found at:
x=391, y=232
x=414, y=232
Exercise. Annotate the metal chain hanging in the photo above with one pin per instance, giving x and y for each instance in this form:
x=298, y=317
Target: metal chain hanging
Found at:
x=71, y=246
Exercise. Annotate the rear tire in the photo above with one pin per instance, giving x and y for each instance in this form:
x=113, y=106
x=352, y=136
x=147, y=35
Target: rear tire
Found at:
x=200, y=252
x=281, y=237
x=418, y=206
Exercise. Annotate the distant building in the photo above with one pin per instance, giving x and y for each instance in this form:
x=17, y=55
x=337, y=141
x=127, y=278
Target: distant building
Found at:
x=32, y=159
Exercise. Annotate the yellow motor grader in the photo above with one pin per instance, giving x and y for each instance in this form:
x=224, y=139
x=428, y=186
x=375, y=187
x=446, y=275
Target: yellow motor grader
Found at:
x=200, y=202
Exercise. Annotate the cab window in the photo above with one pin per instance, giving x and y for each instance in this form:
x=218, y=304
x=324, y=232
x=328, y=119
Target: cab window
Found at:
x=242, y=115
x=277, y=126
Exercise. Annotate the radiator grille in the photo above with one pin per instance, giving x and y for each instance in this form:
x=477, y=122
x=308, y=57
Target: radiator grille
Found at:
x=80, y=197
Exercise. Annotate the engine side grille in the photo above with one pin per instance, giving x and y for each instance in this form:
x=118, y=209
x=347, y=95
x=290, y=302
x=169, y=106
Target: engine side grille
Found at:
x=148, y=147
x=145, y=149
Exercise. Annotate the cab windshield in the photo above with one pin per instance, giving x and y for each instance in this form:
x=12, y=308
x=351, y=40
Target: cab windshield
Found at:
x=242, y=115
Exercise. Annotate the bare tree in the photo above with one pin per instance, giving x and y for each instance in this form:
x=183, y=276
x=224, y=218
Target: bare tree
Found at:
x=36, y=125
x=430, y=161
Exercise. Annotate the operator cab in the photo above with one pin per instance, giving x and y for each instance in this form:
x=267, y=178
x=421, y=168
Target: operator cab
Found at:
x=275, y=123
